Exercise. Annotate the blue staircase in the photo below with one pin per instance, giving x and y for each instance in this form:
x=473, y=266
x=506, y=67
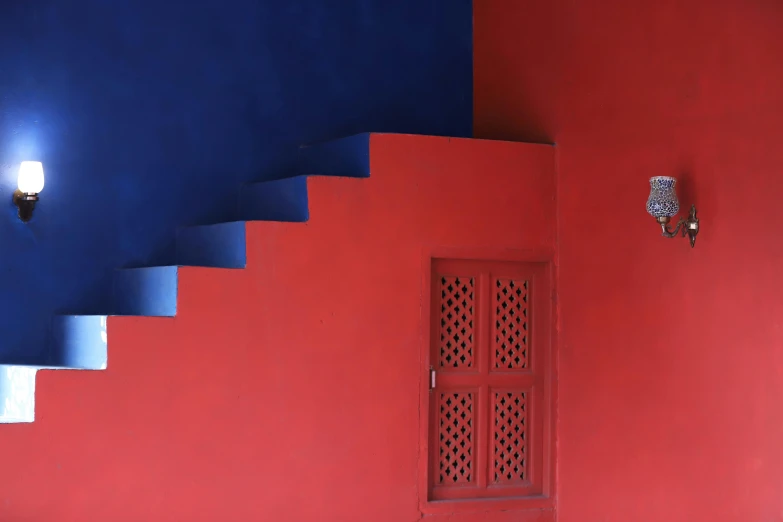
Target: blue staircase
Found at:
x=79, y=342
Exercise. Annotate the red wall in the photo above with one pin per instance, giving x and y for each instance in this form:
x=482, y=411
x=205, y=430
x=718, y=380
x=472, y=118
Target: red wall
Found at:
x=289, y=390
x=671, y=362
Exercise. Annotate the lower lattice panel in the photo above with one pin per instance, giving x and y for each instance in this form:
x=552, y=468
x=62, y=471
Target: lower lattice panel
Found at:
x=455, y=432
x=509, y=413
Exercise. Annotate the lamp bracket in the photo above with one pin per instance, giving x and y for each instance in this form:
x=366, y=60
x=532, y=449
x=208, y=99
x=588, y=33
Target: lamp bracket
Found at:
x=689, y=226
x=25, y=202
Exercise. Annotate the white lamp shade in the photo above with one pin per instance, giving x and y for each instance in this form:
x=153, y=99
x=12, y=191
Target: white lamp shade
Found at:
x=31, y=177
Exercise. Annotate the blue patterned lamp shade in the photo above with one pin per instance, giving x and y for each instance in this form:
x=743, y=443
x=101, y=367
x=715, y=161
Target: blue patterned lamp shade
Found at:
x=662, y=202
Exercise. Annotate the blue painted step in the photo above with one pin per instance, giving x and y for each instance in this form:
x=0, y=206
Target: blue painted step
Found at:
x=79, y=342
x=150, y=291
x=221, y=245
x=17, y=393
x=348, y=157
x=279, y=200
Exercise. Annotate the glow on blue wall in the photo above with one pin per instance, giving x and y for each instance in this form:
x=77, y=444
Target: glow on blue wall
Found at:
x=148, y=114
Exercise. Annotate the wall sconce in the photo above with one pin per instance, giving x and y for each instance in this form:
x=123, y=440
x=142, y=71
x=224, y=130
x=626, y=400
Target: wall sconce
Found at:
x=663, y=204
x=31, y=183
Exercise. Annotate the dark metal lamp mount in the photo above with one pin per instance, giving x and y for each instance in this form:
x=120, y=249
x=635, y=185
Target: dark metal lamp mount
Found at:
x=25, y=202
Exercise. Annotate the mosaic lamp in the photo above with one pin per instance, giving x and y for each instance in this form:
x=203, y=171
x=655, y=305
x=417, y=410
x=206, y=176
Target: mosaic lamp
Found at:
x=663, y=205
x=31, y=183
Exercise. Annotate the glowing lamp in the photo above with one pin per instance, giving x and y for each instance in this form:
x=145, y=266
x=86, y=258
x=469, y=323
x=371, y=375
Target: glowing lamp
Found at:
x=30, y=182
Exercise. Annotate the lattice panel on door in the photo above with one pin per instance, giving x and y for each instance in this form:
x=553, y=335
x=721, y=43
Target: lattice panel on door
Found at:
x=511, y=330
x=455, y=435
x=510, y=412
x=456, y=322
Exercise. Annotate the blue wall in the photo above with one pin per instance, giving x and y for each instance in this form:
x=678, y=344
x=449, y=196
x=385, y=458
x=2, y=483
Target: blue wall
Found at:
x=148, y=114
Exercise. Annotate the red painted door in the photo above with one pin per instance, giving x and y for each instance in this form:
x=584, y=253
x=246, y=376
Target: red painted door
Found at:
x=490, y=337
